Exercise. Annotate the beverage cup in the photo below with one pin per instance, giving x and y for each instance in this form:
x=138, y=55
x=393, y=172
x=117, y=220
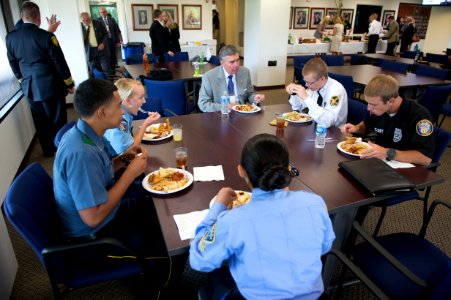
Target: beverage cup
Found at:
x=280, y=123
x=177, y=130
x=196, y=70
x=181, y=157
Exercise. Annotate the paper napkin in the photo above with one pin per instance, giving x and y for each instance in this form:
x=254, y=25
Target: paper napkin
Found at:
x=208, y=173
x=397, y=164
x=187, y=223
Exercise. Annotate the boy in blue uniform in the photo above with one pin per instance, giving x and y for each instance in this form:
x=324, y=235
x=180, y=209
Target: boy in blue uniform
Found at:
x=89, y=200
x=274, y=243
x=133, y=95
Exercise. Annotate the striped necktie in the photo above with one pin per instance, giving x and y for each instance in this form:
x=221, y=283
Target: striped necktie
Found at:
x=230, y=86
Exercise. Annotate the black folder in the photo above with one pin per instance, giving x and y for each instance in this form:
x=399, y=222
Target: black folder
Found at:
x=377, y=177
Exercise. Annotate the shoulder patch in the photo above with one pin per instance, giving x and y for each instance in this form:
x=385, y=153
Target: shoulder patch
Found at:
x=209, y=237
x=424, y=127
x=123, y=126
x=55, y=41
x=87, y=140
x=334, y=101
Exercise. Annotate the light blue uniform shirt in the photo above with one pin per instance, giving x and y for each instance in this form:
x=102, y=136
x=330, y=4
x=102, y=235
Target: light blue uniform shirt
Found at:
x=273, y=244
x=82, y=174
x=121, y=137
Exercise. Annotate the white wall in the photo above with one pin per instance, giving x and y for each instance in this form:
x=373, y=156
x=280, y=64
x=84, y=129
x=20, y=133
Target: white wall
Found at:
x=438, y=35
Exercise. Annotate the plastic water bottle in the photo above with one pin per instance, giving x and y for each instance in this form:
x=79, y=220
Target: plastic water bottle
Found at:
x=320, y=139
x=417, y=53
x=202, y=57
x=225, y=104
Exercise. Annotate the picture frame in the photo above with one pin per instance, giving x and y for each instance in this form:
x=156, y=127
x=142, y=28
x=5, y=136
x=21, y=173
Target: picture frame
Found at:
x=192, y=17
x=385, y=15
x=142, y=16
x=316, y=16
x=349, y=13
x=300, y=17
x=290, y=20
x=332, y=12
x=173, y=9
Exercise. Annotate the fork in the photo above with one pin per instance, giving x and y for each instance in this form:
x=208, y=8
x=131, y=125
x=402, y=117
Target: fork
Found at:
x=143, y=111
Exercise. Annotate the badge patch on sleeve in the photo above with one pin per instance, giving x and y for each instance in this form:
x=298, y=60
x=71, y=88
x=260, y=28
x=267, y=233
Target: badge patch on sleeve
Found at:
x=209, y=237
x=334, y=101
x=123, y=126
x=425, y=127
x=55, y=41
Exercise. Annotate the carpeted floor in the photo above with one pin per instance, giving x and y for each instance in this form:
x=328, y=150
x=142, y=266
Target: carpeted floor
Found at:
x=32, y=281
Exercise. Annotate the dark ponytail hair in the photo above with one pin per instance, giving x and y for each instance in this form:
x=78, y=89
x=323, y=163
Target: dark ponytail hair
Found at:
x=265, y=159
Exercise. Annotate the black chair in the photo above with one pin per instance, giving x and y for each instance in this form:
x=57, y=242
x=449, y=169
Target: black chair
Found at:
x=61, y=132
x=215, y=60
x=405, y=265
x=434, y=98
x=442, y=139
x=394, y=66
x=357, y=59
x=348, y=83
x=438, y=58
x=31, y=208
x=96, y=73
x=446, y=111
x=299, y=62
x=334, y=60
x=357, y=111
x=178, y=57
x=410, y=54
x=431, y=71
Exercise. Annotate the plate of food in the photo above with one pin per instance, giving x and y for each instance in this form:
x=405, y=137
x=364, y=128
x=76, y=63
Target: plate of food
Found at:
x=296, y=117
x=246, y=108
x=243, y=197
x=167, y=181
x=158, y=131
x=353, y=146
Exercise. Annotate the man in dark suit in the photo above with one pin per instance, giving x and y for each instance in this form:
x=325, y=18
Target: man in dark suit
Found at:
x=159, y=36
x=114, y=36
x=95, y=38
x=38, y=62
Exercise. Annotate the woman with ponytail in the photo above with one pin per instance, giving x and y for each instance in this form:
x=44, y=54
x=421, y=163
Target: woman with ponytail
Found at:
x=274, y=243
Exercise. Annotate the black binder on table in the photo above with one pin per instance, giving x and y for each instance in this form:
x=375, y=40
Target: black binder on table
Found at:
x=376, y=176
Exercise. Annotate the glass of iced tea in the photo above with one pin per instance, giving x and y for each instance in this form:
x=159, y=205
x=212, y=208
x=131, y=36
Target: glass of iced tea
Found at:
x=181, y=157
x=280, y=123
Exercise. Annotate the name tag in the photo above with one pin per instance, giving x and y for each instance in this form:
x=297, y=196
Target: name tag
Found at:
x=232, y=99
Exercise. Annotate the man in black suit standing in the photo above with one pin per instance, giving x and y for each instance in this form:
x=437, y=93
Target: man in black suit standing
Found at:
x=114, y=36
x=38, y=62
x=159, y=36
x=95, y=38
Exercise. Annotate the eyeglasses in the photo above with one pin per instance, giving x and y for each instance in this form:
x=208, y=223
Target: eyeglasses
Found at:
x=311, y=82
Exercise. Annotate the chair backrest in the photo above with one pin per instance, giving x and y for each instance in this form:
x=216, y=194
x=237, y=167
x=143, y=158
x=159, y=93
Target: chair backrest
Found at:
x=31, y=208
x=98, y=74
x=171, y=93
x=434, y=98
x=178, y=56
x=442, y=138
x=438, y=58
x=61, y=133
x=153, y=59
x=152, y=104
x=134, y=59
x=215, y=60
x=394, y=66
x=357, y=59
x=357, y=111
x=346, y=81
x=334, y=60
x=298, y=63
x=431, y=71
x=410, y=54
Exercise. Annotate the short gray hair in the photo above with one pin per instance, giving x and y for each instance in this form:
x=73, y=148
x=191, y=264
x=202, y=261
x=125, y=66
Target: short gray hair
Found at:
x=227, y=51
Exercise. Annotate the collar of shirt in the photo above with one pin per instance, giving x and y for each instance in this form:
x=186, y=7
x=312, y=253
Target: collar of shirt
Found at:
x=87, y=130
x=161, y=22
x=28, y=22
x=127, y=116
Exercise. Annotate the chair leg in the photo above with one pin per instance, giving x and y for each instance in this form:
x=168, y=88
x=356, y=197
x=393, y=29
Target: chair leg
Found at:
x=441, y=122
x=379, y=222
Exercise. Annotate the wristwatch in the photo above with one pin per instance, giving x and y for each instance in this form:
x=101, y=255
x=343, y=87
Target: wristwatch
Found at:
x=391, y=153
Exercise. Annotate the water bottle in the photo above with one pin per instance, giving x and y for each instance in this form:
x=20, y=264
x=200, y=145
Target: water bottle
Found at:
x=202, y=57
x=320, y=139
x=225, y=104
x=417, y=53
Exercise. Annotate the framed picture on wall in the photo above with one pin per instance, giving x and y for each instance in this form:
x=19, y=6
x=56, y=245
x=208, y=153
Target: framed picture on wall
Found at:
x=316, y=16
x=173, y=9
x=192, y=17
x=332, y=13
x=347, y=15
x=142, y=16
x=290, y=20
x=300, y=18
x=385, y=15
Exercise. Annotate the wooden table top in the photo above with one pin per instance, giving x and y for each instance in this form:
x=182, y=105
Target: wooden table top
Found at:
x=362, y=74
x=214, y=140
x=180, y=70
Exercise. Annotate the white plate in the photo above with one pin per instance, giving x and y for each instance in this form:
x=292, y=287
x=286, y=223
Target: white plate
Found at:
x=147, y=186
x=349, y=153
x=255, y=109
x=214, y=198
x=299, y=121
x=150, y=137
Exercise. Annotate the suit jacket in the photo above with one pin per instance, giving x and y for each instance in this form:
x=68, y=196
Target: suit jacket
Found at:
x=38, y=62
x=214, y=84
x=101, y=35
x=114, y=29
x=160, y=38
x=393, y=32
x=407, y=35
x=174, y=36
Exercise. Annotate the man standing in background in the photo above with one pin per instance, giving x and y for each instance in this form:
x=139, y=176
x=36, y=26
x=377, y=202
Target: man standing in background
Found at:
x=159, y=36
x=392, y=35
x=114, y=40
x=374, y=31
x=38, y=62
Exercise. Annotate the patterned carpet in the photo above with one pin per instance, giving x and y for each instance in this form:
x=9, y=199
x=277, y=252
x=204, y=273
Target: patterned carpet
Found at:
x=32, y=281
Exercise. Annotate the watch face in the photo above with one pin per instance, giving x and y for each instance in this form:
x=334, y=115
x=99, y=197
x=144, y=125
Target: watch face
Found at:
x=391, y=153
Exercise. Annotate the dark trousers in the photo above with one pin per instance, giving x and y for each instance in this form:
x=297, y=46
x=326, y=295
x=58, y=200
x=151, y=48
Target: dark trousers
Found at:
x=391, y=48
x=372, y=43
x=404, y=45
x=102, y=58
x=113, y=54
x=48, y=117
